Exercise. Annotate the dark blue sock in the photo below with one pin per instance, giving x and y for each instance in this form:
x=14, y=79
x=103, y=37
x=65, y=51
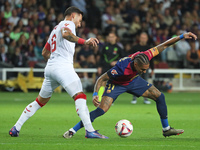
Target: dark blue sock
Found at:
x=162, y=110
x=93, y=115
x=96, y=113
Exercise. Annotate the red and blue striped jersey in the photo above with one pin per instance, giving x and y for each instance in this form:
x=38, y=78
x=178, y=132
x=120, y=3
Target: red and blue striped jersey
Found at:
x=123, y=73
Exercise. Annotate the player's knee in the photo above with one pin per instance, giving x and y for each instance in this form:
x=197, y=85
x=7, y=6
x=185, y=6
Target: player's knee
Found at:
x=80, y=95
x=105, y=107
x=161, y=97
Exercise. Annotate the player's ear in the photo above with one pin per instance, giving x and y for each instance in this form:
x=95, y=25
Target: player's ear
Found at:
x=73, y=15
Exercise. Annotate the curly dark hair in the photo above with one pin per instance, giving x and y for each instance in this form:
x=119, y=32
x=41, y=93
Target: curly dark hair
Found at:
x=141, y=59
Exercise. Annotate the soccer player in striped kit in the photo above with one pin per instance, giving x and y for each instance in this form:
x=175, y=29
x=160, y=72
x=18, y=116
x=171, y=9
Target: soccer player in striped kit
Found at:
x=124, y=77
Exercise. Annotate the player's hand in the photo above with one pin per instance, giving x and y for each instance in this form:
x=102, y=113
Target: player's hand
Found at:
x=92, y=42
x=189, y=35
x=96, y=101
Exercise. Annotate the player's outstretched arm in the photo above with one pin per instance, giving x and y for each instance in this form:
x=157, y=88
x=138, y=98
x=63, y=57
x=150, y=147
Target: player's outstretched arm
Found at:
x=68, y=35
x=188, y=35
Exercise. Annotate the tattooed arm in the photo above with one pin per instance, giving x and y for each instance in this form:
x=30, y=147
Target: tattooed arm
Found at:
x=68, y=35
x=188, y=35
x=103, y=78
x=100, y=82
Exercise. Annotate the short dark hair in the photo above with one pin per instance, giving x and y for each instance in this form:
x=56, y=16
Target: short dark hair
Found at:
x=141, y=59
x=71, y=10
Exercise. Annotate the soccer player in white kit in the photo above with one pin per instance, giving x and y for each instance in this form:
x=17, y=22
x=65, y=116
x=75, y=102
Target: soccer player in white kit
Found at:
x=59, y=51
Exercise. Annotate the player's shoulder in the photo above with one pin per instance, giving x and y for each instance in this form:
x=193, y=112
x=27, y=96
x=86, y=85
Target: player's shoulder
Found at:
x=125, y=59
x=67, y=23
x=123, y=62
x=134, y=54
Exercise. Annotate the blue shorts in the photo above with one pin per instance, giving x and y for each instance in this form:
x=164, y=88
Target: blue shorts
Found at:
x=137, y=87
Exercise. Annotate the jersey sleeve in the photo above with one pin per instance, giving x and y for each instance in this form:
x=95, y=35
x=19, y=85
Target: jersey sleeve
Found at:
x=48, y=45
x=114, y=72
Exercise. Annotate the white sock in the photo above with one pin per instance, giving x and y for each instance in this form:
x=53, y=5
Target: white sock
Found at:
x=26, y=114
x=166, y=128
x=83, y=113
x=72, y=130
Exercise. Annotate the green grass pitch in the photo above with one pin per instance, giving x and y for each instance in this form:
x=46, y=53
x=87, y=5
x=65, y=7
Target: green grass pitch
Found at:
x=44, y=130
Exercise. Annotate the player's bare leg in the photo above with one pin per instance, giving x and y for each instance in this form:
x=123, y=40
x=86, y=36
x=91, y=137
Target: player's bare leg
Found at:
x=106, y=102
x=159, y=98
x=27, y=113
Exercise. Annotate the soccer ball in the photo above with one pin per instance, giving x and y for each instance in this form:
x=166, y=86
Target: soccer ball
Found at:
x=124, y=128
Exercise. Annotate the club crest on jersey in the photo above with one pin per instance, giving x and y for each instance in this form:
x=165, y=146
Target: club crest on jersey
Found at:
x=108, y=91
x=66, y=24
x=113, y=72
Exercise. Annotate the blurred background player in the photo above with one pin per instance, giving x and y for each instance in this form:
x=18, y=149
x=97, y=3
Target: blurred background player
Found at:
x=109, y=55
x=143, y=46
x=124, y=77
x=59, y=51
x=192, y=56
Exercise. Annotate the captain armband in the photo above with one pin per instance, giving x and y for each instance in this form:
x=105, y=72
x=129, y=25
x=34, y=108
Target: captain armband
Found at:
x=154, y=51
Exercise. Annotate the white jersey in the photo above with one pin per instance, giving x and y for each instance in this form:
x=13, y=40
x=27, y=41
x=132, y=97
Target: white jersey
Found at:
x=62, y=50
x=59, y=69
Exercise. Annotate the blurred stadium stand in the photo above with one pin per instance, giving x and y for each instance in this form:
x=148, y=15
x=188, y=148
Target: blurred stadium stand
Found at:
x=160, y=19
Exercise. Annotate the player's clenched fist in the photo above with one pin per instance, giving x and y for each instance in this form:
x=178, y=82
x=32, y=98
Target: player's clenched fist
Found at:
x=92, y=42
x=189, y=35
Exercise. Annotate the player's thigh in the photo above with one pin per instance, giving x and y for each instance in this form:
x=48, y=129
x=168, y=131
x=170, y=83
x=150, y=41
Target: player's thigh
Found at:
x=48, y=86
x=70, y=81
x=138, y=86
x=114, y=91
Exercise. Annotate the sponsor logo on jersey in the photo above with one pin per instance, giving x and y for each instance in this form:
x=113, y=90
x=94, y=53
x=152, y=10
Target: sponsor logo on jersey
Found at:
x=113, y=72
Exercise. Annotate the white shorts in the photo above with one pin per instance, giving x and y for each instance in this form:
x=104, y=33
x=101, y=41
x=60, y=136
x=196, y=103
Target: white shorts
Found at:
x=63, y=75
